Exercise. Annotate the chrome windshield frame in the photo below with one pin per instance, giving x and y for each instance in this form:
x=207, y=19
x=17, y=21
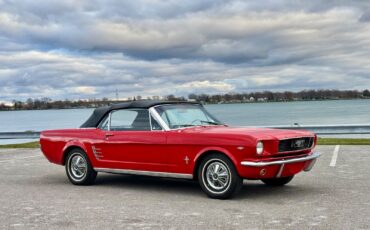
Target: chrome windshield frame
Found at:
x=164, y=125
x=152, y=112
x=158, y=118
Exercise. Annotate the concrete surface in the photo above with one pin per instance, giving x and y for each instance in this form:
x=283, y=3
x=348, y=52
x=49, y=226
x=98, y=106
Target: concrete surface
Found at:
x=35, y=194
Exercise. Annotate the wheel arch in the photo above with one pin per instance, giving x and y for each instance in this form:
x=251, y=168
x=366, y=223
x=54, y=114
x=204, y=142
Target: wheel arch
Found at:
x=208, y=151
x=69, y=146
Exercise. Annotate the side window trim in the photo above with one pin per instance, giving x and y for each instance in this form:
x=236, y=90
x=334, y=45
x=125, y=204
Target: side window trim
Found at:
x=116, y=110
x=150, y=114
x=109, y=120
x=159, y=120
x=150, y=120
x=105, y=119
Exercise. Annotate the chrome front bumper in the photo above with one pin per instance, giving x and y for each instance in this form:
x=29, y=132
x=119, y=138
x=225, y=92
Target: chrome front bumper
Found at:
x=279, y=162
x=313, y=157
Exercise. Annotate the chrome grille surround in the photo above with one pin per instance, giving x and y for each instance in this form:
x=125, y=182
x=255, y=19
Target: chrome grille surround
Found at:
x=295, y=144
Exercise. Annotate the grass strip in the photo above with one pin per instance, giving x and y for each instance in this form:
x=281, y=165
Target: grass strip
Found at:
x=28, y=145
x=343, y=141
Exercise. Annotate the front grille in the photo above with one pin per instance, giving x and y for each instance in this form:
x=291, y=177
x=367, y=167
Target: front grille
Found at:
x=295, y=144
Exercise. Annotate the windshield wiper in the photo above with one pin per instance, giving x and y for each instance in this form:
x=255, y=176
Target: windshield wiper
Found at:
x=187, y=125
x=191, y=125
x=182, y=125
x=211, y=122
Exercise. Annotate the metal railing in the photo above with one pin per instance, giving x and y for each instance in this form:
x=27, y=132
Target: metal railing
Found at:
x=323, y=130
x=20, y=135
x=320, y=130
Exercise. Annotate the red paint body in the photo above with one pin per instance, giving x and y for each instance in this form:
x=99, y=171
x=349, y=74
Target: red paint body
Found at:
x=165, y=151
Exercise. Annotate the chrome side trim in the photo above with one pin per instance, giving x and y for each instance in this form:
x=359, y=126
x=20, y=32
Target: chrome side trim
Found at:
x=97, y=152
x=279, y=162
x=145, y=173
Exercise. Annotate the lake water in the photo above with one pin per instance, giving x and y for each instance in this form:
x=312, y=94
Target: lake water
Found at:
x=250, y=114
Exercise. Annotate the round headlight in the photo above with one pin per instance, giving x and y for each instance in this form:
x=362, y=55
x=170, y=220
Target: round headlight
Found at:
x=259, y=148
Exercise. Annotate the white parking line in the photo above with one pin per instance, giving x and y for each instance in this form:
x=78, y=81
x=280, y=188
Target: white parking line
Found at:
x=335, y=156
x=19, y=158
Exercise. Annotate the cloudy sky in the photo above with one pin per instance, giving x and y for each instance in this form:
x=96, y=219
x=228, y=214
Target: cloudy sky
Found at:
x=85, y=49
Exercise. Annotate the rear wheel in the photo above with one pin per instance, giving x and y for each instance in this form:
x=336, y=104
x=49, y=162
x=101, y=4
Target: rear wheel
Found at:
x=79, y=169
x=277, y=181
x=218, y=177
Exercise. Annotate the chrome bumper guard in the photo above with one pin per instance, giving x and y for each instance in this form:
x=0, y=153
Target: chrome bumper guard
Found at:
x=313, y=157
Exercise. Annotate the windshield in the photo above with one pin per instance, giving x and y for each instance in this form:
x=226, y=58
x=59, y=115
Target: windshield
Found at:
x=185, y=115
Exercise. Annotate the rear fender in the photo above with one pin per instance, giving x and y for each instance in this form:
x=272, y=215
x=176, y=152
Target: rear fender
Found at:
x=70, y=145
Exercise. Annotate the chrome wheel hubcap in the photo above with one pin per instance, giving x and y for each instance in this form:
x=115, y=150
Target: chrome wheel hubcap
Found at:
x=217, y=176
x=78, y=166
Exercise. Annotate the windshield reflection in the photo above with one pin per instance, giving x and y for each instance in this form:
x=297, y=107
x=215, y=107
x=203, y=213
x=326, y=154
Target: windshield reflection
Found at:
x=186, y=115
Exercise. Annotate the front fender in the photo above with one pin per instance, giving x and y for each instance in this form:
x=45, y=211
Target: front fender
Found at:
x=215, y=149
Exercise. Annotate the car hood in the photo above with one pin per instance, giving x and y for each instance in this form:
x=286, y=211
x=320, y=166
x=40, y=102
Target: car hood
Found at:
x=258, y=133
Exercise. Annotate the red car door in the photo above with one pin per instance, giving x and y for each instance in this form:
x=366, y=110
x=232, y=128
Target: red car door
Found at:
x=131, y=143
x=138, y=150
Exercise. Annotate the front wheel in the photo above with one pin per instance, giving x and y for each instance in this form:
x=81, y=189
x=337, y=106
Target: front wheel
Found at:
x=218, y=177
x=79, y=169
x=277, y=181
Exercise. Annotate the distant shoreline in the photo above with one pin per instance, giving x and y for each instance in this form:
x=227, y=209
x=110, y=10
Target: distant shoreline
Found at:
x=220, y=103
x=227, y=98
x=261, y=102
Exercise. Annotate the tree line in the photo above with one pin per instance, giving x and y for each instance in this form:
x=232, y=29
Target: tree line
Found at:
x=48, y=103
x=265, y=96
x=268, y=96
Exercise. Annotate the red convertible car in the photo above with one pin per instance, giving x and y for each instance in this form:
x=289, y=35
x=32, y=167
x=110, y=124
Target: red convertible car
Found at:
x=178, y=140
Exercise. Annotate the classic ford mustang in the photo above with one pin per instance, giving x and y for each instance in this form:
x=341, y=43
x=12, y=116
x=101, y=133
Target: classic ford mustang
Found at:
x=178, y=140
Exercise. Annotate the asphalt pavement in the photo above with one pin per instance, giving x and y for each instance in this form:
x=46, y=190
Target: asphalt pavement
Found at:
x=35, y=194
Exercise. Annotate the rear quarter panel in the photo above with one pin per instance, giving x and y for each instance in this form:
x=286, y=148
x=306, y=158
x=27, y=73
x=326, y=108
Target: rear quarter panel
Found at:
x=55, y=143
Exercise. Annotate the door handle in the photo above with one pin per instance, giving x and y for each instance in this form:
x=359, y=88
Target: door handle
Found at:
x=109, y=134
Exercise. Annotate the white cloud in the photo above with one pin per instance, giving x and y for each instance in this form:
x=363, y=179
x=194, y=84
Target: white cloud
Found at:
x=91, y=48
x=84, y=90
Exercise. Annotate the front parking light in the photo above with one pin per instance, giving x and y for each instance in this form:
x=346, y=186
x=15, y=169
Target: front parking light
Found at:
x=259, y=148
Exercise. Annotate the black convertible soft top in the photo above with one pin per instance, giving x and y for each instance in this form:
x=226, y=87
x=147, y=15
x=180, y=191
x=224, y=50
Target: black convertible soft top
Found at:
x=99, y=113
